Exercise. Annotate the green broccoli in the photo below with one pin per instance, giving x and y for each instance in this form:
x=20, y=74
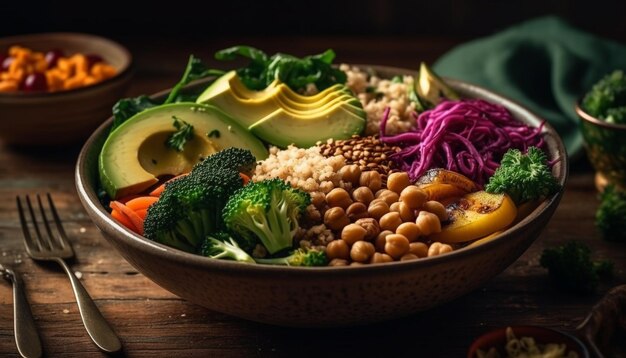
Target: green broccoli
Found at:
x=571, y=268
x=300, y=257
x=607, y=98
x=268, y=211
x=524, y=177
x=611, y=215
x=222, y=246
x=190, y=208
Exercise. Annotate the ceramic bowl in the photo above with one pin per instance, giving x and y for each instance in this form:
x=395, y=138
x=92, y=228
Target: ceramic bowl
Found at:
x=604, y=144
x=63, y=117
x=497, y=339
x=324, y=296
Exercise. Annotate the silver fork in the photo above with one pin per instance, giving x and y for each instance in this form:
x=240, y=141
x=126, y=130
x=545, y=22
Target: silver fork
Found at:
x=48, y=247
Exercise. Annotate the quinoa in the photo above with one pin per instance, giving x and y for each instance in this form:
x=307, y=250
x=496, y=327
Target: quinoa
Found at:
x=377, y=94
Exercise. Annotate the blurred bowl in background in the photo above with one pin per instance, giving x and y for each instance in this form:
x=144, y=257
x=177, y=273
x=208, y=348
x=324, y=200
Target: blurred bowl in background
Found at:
x=64, y=117
x=605, y=144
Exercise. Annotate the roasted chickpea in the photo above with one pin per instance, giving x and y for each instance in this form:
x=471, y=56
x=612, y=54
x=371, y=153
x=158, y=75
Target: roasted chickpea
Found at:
x=408, y=256
x=396, y=182
x=437, y=248
x=410, y=230
x=337, y=249
x=356, y=211
x=428, y=223
x=377, y=209
x=338, y=197
x=350, y=173
x=381, y=240
x=390, y=221
x=371, y=226
x=352, y=233
x=371, y=179
x=388, y=196
x=379, y=258
x=413, y=196
x=395, y=207
x=418, y=249
x=436, y=208
x=362, y=251
x=396, y=245
x=338, y=262
x=363, y=194
x=405, y=212
x=336, y=218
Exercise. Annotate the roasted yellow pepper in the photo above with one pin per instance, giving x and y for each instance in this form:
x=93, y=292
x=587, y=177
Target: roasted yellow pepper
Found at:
x=477, y=215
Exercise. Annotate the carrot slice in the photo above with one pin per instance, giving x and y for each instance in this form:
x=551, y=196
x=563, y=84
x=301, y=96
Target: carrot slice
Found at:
x=159, y=189
x=134, y=218
x=246, y=179
x=142, y=213
x=123, y=219
x=142, y=202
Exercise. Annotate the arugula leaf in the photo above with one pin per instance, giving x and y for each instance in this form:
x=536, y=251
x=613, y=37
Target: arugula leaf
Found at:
x=128, y=107
x=184, y=133
x=195, y=70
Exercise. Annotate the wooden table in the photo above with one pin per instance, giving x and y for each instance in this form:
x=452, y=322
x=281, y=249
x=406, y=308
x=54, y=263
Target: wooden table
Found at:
x=154, y=323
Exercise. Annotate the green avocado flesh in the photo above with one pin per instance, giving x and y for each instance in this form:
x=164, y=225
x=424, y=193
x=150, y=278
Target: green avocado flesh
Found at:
x=135, y=154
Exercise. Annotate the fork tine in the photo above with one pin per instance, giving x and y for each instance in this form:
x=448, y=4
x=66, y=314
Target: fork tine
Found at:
x=39, y=237
x=50, y=239
x=57, y=220
x=28, y=240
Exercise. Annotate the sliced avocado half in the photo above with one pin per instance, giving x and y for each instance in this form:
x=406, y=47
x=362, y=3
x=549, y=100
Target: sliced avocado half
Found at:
x=135, y=154
x=431, y=88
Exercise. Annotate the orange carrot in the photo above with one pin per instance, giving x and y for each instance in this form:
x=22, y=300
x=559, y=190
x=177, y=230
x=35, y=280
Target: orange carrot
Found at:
x=134, y=218
x=159, y=189
x=246, y=179
x=142, y=213
x=142, y=202
x=123, y=219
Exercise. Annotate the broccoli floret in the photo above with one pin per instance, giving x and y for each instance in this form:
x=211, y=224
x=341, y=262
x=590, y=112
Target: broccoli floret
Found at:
x=300, y=257
x=190, y=208
x=611, y=215
x=607, y=98
x=571, y=268
x=524, y=177
x=222, y=246
x=268, y=211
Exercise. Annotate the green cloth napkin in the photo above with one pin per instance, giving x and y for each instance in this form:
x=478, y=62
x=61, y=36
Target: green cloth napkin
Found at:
x=545, y=64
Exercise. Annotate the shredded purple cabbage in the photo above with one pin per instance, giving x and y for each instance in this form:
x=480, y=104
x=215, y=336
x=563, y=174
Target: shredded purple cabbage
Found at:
x=468, y=136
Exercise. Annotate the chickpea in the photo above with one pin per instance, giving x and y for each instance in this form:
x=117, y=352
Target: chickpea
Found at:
x=381, y=240
x=405, y=212
x=377, y=209
x=371, y=227
x=428, y=223
x=351, y=174
x=396, y=246
x=410, y=230
x=356, y=211
x=388, y=196
x=396, y=182
x=362, y=251
x=436, y=208
x=336, y=218
x=363, y=194
x=437, y=248
x=408, y=256
x=395, y=207
x=390, y=221
x=418, y=249
x=413, y=196
x=353, y=233
x=337, y=249
x=371, y=179
x=355, y=263
x=338, y=197
x=379, y=258
x=338, y=262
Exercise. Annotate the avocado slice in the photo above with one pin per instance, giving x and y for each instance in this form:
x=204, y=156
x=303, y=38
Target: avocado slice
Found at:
x=135, y=154
x=431, y=88
x=282, y=128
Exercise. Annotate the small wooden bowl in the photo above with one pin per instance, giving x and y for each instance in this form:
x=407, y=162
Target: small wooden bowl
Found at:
x=65, y=117
x=542, y=335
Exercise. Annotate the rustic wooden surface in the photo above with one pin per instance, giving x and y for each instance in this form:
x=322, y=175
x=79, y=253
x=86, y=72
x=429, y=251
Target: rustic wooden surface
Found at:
x=154, y=323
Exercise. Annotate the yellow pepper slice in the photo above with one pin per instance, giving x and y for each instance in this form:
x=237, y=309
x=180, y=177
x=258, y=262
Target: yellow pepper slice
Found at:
x=477, y=215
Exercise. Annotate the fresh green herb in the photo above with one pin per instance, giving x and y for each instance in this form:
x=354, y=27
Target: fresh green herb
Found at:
x=397, y=79
x=524, y=177
x=214, y=134
x=607, y=98
x=128, y=107
x=571, y=268
x=295, y=72
x=178, y=139
x=195, y=70
x=611, y=215
x=300, y=257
